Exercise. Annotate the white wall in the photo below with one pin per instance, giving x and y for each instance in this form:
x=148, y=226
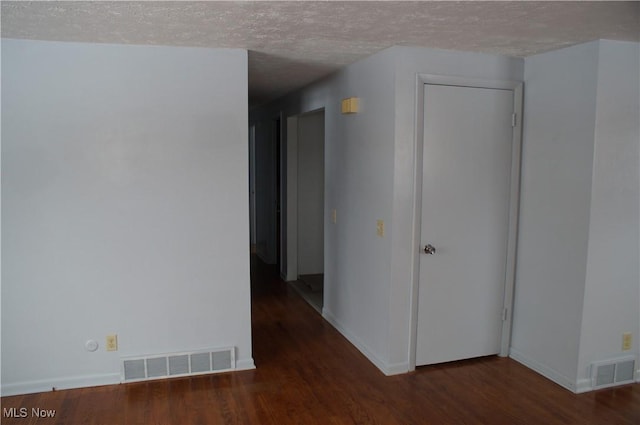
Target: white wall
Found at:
x=612, y=286
x=124, y=207
x=559, y=120
x=369, y=175
x=310, y=197
x=577, y=277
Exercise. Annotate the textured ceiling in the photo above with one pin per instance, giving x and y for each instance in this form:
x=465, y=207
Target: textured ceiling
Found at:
x=295, y=42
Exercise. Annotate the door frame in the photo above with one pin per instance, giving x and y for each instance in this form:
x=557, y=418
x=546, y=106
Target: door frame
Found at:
x=279, y=193
x=291, y=208
x=514, y=199
x=290, y=253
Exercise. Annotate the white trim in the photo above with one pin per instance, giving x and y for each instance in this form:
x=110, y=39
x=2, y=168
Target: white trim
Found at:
x=291, y=236
x=391, y=369
x=245, y=364
x=514, y=212
x=417, y=223
x=545, y=371
x=446, y=80
x=517, y=88
x=386, y=368
x=583, y=386
x=45, y=385
x=281, y=146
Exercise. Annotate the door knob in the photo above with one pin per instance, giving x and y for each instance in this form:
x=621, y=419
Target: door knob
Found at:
x=429, y=249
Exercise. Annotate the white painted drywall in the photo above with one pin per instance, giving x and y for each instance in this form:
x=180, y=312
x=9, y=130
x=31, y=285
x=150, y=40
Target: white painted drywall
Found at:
x=555, y=199
x=613, y=282
x=310, y=193
x=124, y=207
x=577, y=284
x=369, y=175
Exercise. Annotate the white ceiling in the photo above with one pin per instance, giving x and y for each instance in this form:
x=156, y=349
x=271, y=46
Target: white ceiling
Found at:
x=293, y=43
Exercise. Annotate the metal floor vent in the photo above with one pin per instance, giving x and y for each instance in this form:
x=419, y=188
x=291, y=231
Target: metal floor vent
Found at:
x=143, y=368
x=613, y=372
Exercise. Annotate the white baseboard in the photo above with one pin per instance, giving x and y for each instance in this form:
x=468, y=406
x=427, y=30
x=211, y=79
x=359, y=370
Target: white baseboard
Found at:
x=545, y=371
x=583, y=386
x=245, y=364
x=395, y=368
x=45, y=385
x=386, y=368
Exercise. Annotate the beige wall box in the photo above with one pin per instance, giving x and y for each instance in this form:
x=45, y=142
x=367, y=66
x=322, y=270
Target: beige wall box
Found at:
x=350, y=105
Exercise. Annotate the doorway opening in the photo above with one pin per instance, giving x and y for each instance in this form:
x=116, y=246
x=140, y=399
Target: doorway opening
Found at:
x=305, y=206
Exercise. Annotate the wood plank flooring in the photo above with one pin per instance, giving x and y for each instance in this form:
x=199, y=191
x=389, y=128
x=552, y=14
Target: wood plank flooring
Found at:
x=307, y=373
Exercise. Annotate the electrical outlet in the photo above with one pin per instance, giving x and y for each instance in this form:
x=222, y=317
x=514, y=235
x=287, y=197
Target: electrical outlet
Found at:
x=380, y=228
x=334, y=216
x=626, y=341
x=112, y=342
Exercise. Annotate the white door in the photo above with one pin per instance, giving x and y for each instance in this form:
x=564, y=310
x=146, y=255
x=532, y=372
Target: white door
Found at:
x=467, y=155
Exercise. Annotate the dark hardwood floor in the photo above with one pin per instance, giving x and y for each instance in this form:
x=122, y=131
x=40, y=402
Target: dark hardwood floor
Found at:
x=307, y=373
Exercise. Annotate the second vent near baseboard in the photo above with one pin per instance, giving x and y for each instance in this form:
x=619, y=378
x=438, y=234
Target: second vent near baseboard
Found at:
x=613, y=372
x=169, y=365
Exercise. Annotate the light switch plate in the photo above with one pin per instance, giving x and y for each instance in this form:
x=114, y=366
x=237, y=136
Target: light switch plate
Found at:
x=626, y=341
x=380, y=228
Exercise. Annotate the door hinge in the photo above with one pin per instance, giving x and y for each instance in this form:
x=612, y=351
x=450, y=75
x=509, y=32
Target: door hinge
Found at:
x=514, y=119
x=505, y=313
